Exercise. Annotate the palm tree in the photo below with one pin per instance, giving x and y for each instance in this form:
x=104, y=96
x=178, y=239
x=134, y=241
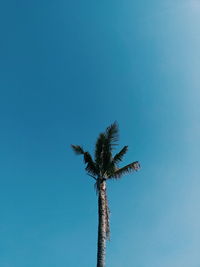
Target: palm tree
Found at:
x=102, y=168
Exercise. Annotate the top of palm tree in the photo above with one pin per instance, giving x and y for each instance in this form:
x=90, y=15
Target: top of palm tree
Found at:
x=105, y=165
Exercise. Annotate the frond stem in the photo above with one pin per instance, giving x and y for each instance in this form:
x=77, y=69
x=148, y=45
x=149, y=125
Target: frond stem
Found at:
x=92, y=176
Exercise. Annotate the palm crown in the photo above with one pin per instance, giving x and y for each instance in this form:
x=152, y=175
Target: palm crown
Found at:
x=105, y=165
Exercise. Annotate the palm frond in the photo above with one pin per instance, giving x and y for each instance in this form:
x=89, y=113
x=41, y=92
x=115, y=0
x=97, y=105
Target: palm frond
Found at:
x=106, y=157
x=119, y=156
x=111, y=168
x=91, y=167
x=90, y=164
x=134, y=166
x=99, y=150
x=112, y=134
x=78, y=150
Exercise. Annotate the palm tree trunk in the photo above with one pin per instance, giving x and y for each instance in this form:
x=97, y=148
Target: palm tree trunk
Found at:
x=102, y=226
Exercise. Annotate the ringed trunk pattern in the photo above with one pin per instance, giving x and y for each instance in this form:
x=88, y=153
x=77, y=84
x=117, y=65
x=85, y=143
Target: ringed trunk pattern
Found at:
x=102, y=226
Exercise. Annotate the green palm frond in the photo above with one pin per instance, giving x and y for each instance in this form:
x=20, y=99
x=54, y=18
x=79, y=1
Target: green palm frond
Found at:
x=112, y=134
x=106, y=157
x=99, y=150
x=91, y=167
x=119, y=156
x=110, y=138
x=134, y=166
x=110, y=170
x=90, y=164
x=78, y=150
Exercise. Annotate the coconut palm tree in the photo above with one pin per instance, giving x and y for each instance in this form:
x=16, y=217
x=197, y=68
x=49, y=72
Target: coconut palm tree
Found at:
x=102, y=168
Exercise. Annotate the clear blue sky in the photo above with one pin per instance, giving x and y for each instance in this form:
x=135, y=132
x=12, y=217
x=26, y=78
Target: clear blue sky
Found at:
x=67, y=70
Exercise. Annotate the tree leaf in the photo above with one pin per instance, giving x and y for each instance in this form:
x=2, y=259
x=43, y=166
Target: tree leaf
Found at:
x=119, y=156
x=112, y=134
x=134, y=166
x=77, y=149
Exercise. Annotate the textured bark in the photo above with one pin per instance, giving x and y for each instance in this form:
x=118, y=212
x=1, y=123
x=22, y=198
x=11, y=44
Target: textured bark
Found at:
x=102, y=227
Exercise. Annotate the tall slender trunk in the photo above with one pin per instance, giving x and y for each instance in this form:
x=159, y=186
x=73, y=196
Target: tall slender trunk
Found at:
x=102, y=226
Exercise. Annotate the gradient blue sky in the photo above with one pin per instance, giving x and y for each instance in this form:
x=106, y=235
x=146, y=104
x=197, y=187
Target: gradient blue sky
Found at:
x=67, y=70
